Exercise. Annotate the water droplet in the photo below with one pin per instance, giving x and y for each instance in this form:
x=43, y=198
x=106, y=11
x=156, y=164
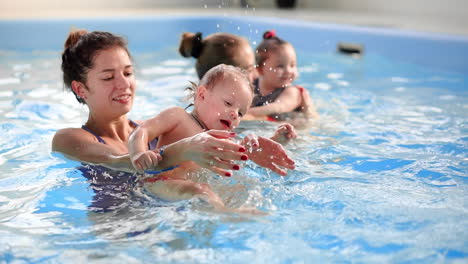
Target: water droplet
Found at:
x=217, y=25
x=238, y=28
x=205, y=6
x=254, y=42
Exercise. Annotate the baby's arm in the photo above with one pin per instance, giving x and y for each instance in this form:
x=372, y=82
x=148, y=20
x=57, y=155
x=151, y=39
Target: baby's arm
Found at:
x=140, y=156
x=289, y=100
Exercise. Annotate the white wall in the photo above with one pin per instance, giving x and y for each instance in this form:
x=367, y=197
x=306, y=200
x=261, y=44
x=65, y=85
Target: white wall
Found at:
x=454, y=10
x=438, y=8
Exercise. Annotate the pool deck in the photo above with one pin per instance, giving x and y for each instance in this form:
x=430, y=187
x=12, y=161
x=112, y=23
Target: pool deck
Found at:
x=444, y=25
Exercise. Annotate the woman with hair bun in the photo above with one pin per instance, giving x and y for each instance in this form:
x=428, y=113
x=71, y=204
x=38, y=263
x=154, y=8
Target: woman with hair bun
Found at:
x=218, y=48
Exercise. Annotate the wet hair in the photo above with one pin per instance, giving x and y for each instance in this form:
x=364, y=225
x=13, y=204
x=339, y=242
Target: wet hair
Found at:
x=80, y=49
x=270, y=43
x=218, y=48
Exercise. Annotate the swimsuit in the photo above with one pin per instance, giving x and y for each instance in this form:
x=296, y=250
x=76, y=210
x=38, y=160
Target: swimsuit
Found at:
x=151, y=145
x=112, y=188
x=261, y=100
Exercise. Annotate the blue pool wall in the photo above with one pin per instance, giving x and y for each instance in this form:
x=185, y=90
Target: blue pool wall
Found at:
x=149, y=33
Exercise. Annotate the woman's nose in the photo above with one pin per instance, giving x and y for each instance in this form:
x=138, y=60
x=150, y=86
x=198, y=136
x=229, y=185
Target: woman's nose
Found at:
x=122, y=82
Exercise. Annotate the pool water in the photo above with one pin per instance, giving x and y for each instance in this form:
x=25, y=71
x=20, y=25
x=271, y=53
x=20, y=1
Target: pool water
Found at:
x=381, y=177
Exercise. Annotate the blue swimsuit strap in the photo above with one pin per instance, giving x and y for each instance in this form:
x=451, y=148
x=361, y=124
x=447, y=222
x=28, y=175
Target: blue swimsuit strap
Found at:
x=90, y=131
x=151, y=145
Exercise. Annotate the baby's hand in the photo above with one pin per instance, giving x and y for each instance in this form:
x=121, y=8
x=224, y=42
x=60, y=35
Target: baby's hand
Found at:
x=146, y=160
x=250, y=141
x=284, y=133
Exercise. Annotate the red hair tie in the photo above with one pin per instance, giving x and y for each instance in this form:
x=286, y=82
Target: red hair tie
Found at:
x=269, y=34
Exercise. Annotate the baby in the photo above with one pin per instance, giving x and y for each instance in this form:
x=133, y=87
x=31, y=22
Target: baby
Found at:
x=275, y=95
x=223, y=96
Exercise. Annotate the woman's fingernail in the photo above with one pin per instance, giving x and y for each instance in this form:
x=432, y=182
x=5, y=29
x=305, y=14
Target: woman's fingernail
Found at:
x=244, y=157
x=232, y=134
x=242, y=149
x=235, y=167
x=227, y=174
x=255, y=145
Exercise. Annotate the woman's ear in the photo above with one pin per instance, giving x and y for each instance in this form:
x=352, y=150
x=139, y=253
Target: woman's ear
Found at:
x=79, y=88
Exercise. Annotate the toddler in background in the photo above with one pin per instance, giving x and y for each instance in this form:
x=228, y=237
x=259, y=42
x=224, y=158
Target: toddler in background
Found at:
x=223, y=96
x=276, y=97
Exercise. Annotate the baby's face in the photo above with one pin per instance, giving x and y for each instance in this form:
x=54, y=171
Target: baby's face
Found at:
x=224, y=104
x=280, y=69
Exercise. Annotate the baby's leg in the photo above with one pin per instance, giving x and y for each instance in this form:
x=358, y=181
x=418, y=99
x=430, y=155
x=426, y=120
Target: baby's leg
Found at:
x=177, y=190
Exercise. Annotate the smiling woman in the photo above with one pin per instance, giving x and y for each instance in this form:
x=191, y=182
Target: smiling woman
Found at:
x=97, y=68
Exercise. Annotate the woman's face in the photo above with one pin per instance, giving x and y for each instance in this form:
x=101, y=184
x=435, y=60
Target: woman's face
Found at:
x=111, y=83
x=279, y=69
x=246, y=60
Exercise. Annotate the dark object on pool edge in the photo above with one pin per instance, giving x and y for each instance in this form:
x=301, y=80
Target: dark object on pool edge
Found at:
x=350, y=48
x=286, y=3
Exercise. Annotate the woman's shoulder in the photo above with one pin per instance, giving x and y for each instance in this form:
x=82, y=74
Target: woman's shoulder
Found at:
x=67, y=137
x=69, y=132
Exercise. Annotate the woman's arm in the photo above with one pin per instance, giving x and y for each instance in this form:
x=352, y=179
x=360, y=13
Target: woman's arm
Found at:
x=77, y=144
x=289, y=100
x=307, y=105
x=212, y=150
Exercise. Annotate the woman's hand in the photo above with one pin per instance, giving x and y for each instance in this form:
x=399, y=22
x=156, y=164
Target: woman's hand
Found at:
x=213, y=150
x=307, y=105
x=284, y=133
x=146, y=160
x=268, y=154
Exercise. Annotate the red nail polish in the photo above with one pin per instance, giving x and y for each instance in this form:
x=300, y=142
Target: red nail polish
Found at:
x=242, y=149
x=235, y=167
x=244, y=157
x=227, y=174
x=232, y=134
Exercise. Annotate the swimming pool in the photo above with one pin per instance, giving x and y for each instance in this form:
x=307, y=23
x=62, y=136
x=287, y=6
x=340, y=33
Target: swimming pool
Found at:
x=381, y=177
